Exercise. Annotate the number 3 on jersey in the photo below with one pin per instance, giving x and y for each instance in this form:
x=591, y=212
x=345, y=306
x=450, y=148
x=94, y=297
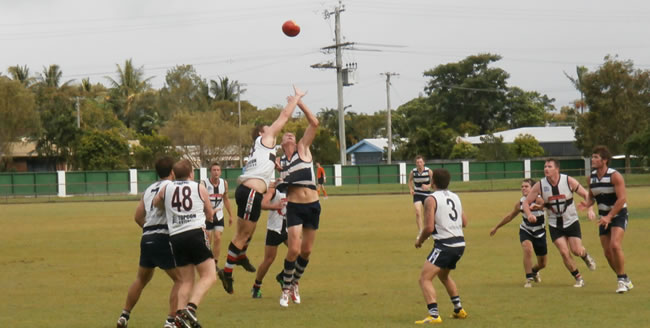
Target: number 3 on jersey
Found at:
x=453, y=208
x=186, y=203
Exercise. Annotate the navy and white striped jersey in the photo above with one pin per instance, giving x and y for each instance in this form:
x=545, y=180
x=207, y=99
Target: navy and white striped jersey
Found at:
x=558, y=201
x=216, y=197
x=603, y=191
x=184, y=207
x=420, y=178
x=448, y=229
x=534, y=229
x=260, y=164
x=296, y=172
x=155, y=221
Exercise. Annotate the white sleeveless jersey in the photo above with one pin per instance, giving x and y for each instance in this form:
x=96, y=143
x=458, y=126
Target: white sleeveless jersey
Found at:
x=260, y=164
x=448, y=229
x=155, y=220
x=558, y=201
x=216, y=197
x=276, y=217
x=184, y=207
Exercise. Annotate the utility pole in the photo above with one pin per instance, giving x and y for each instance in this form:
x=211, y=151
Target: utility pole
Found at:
x=78, y=113
x=389, y=125
x=241, y=161
x=339, y=81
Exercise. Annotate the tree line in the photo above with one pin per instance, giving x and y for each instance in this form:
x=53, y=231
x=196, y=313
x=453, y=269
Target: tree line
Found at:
x=199, y=118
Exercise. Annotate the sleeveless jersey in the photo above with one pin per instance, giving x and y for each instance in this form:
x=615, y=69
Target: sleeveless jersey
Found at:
x=534, y=229
x=603, y=190
x=276, y=217
x=260, y=164
x=448, y=229
x=216, y=197
x=184, y=207
x=155, y=221
x=558, y=201
x=419, y=179
x=296, y=172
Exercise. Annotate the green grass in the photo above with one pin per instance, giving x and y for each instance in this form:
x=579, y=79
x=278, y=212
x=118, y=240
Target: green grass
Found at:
x=69, y=265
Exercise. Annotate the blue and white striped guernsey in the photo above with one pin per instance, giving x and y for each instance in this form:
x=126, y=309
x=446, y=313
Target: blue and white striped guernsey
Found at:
x=420, y=178
x=603, y=190
x=155, y=221
x=296, y=172
x=534, y=229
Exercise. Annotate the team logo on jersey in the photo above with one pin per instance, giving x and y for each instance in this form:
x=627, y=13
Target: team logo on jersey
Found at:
x=557, y=204
x=547, y=189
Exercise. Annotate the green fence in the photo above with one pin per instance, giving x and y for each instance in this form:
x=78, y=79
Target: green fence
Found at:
x=28, y=184
x=97, y=182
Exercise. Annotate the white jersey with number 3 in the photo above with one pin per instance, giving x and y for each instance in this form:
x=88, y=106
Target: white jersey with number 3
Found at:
x=448, y=228
x=184, y=207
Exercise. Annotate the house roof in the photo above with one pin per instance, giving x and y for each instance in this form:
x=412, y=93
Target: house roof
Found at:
x=369, y=145
x=23, y=149
x=544, y=134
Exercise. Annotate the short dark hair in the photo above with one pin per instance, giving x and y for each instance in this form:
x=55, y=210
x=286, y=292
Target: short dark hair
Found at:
x=214, y=164
x=419, y=157
x=555, y=162
x=182, y=169
x=441, y=178
x=256, y=131
x=529, y=181
x=603, y=152
x=164, y=166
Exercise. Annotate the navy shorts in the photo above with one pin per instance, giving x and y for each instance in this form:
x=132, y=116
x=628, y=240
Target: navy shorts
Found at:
x=321, y=181
x=539, y=243
x=249, y=203
x=445, y=257
x=571, y=231
x=191, y=247
x=155, y=251
x=620, y=220
x=306, y=214
x=419, y=198
x=215, y=224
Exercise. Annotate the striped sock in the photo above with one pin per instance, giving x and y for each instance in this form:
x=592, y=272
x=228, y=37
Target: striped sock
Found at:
x=287, y=274
x=576, y=274
x=242, y=253
x=301, y=264
x=433, y=309
x=456, y=301
x=257, y=284
x=233, y=253
x=126, y=314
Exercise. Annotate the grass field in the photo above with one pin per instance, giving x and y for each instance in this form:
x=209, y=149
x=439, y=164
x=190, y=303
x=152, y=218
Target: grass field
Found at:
x=69, y=265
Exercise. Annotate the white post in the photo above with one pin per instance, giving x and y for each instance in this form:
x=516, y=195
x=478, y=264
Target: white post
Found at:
x=402, y=173
x=133, y=177
x=60, y=177
x=203, y=173
x=465, y=171
x=527, y=169
x=587, y=166
x=338, y=179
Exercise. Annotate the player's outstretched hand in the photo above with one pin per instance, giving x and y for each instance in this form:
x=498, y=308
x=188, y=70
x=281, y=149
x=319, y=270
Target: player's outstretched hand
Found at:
x=299, y=93
x=532, y=218
x=591, y=214
x=493, y=231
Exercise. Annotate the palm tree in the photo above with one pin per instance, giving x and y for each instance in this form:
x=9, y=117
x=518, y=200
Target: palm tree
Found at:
x=577, y=83
x=130, y=83
x=224, y=89
x=85, y=86
x=21, y=74
x=51, y=76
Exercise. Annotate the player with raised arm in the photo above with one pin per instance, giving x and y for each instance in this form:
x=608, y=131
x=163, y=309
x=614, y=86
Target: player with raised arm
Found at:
x=276, y=233
x=557, y=191
x=187, y=206
x=444, y=220
x=218, y=192
x=420, y=187
x=303, y=207
x=607, y=187
x=155, y=250
x=532, y=236
x=253, y=183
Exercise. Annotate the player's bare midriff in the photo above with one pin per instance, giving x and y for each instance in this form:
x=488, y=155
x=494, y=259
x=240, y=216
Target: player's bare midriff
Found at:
x=256, y=184
x=301, y=195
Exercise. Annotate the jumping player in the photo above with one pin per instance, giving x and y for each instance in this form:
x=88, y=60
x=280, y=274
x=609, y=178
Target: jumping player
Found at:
x=253, y=183
x=532, y=236
x=444, y=221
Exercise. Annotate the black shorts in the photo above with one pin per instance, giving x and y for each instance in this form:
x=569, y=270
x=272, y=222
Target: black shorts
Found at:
x=215, y=224
x=306, y=214
x=321, y=181
x=445, y=257
x=191, y=247
x=620, y=220
x=419, y=198
x=539, y=243
x=155, y=251
x=274, y=239
x=571, y=231
x=249, y=203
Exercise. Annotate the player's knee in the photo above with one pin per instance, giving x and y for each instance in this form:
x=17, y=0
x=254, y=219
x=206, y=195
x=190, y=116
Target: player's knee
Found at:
x=615, y=246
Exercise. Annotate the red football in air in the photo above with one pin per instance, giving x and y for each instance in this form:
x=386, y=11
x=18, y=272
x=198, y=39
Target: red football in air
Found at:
x=290, y=28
